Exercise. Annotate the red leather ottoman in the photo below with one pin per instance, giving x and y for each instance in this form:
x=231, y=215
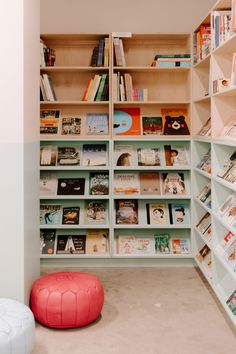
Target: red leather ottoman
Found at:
x=67, y=299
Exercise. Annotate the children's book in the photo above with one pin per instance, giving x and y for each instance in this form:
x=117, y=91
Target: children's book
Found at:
x=173, y=183
x=152, y=125
x=126, y=244
x=162, y=243
x=97, y=124
x=126, y=183
x=231, y=302
x=124, y=155
x=47, y=241
x=145, y=246
x=94, y=155
x=48, y=183
x=99, y=183
x=68, y=156
x=48, y=155
x=149, y=183
x=71, y=186
x=97, y=242
x=149, y=157
x=227, y=165
x=204, y=251
x=126, y=211
x=230, y=255
x=71, y=244
x=206, y=128
x=176, y=155
x=175, y=121
x=157, y=213
x=50, y=214
x=49, y=121
x=96, y=212
x=70, y=126
x=180, y=246
x=179, y=213
x=70, y=215
x=127, y=121
x=204, y=223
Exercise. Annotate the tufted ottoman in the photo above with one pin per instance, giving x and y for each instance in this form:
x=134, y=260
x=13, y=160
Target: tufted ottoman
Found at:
x=16, y=327
x=67, y=299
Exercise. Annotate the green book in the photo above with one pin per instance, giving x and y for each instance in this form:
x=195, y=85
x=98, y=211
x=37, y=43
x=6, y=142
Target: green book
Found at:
x=101, y=87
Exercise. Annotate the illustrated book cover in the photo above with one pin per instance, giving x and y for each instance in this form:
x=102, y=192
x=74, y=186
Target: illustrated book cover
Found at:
x=47, y=241
x=145, y=246
x=71, y=186
x=70, y=215
x=227, y=165
x=99, y=183
x=126, y=212
x=150, y=183
x=127, y=121
x=48, y=183
x=96, y=212
x=176, y=155
x=94, y=155
x=157, y=213
x=71, y=126
x=180, y=246
x=68, y=156
x=48, y=155
x=49, y=121
x=152, y=125
x=71, y=244
x=126, y=183
x=204, y=223
x=231, y=302
x=162, y=243
x=50, y=214
x=149, y=157
x=175, y=121
x=124, y=155
x=173, y=183
x=179, y=213
x=97, y=242
x=97, y=124
x=126, y=244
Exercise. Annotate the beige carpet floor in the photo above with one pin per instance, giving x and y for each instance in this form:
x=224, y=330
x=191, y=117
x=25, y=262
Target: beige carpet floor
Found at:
x=148, y=311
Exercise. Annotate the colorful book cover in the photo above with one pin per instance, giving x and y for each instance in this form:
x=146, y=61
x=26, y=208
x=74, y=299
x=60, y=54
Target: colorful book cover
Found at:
x=99, y=183
x=126, y=183
x=48, y=183
x=97, y=242
x=71, y=126
x=204, y=223
x=68, y=156
x=157, y=213
x=94, y=155
x=71, y=244
x=95, y=212
x=70, y=215
x=228, y=210
x=150, y=183
x=71, y=186
x=149, y=157
x=49, y=121
x=124, y=155
x=48, y=155
x=47, y=241
x=173, y=183
x=97, y=124
x=145, y=246
x=126, y=244
x=176, y=155
x=180, y=246
x=127, y=121
x=162, y=243
x=152, y=125
x=50, y=214
x=126, y=212
x=231, y=302
x=204, y=251
x=179, y=213
x=175, y=121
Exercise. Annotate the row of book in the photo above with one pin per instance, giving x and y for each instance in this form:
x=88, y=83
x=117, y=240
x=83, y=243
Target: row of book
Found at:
x=201, y=43
x=100, y=55
x=223, y=26
x=172, y=61
x=97, y=88
x=47, y=92
x=123, y=89
x=47, y=55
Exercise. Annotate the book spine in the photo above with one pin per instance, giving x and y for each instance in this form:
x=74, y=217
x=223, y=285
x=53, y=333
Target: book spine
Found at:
x=114, y=83
x=88, y=94
x=101, y=52
x=97, y=80
x=106, y=52
x=47, y=87
x=122, y=54
x=86, y=89
x=44, y=96
x=101, y=87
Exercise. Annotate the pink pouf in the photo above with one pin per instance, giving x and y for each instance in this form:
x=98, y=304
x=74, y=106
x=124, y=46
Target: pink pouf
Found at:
x=67, y=299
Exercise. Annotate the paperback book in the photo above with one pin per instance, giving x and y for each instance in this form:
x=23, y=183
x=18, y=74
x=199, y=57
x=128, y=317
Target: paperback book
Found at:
x=97, y=124
x=97, y=242
x=127, y=121
x=149, y=157
x=126, y=212
x=175, y=121
x=50, y=214
x=180, y=246
x=149, y=183
x=173, y=183
x=179, y=213
x=205, y=162
x=70, y=126
x=71, y=244
x=162, y=243
x=70, y=215
x=49, y=121
x=176, y=155
x=126, y=244
x=126, y=183
x=71, y=186
x=145, y=246
x=152, y=125
x=48, y=183
x=157, y=213
x=47, y=241
x=94, y=155
x=99, y=183
x=205, y=195
x=124, y=155
x=95, y=212
x=227, y=212
x=48, y=155
x=68, y=156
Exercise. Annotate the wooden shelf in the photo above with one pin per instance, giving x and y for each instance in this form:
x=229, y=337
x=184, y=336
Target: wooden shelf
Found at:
x=149, y=69
x=64, y=69
x=73, y=103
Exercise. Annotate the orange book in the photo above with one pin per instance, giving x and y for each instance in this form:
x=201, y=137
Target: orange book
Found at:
x=86, y=89
x=175, y=121
x=127, y=121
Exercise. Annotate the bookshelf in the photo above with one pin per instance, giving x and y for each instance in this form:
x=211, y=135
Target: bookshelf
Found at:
x=215, y=64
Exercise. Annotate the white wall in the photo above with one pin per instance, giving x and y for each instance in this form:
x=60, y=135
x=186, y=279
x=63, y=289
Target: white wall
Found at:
x=71, y=16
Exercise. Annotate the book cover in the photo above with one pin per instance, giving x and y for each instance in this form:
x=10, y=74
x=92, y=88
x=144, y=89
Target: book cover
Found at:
x=206, y=128
x=204, y=251
x=97, y=124
x=70, y=215
x=157, y=213
x=180, y=246
x=71, y=244
x=204, y=223
x=94, y=155
x=47, y=241
x=49, y=121
x=227, y=210
x=227, y=240
x=179, y=213
x=48, y=183
x=124, y=155
x=205, y=162
x=99, y=183
x=71, y=186
x=173, y=183
x=127, y=121
x=68, y=156
x=48, y=155
x=50, y=214
x=227, y=165
x=149, y=157
x=230, y=175
x=150, y=183
x=152, y=125
x=70, y=126
x=97, y=242
x=176, y=155
x=126, y=244
x=205, y=194
x=126, y=212
x=145, y=246
x=95, y=212
x=175, y=121
x=162, y=243
x=126, y=183
x=231, y=302
x=230, y=255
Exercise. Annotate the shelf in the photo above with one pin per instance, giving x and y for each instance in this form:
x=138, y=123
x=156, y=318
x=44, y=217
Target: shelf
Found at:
x=73, y=168
x=221, y=221
x=74, y=256
x=74, y=103
x=224, y=263
x=202, y=99
x=148, y=226
x=203, y=238
x=159, y=197
x=224, y=141
x=227, y=46
x=163, y=256
x=202, y=205
x=154, y=138
x=79, y=227
x=74, y=197
x=65, y=69
x=152, y=168
x=224, y=183
x=204, y=139
x=226, y=93
x=149, y=68
x=202, y=173
x=203, y=62
x=133, y=103
x=79, y=139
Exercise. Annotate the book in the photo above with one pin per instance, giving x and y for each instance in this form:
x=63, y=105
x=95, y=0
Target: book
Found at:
x=49, y=121
x=180, y=246
x=150, y=183
x=48, y=183
x=230, y=175
x=47, y=241
x=230, y=255
x=152, y=125
x=145, y=246
x=70, y=215
x=97, y=242
x=205, y=195
x=99, y=183
x=206, y=128
x=97, y=123
x=68, y=156
x=50, y=214
x=203, y=252
x=71, y=186
x=94, y=155
x=229, y=130
x=175, y=121
x=124, y=155
x=127, y=212
x=205, y=162
x=176, y=155
x=71, y=244
x=227, y=211
x=126, y=244
x=127, y=121
x=149, y=157
x=179, y=213
x=70, y=126
x=204, y=223
x=157, y=213
x=126, y=183
x=228, y=164
x=226, y=242
x=231, y=302
x=95, y=212
x=173, y=183
x=162, y=243
x=48, y=155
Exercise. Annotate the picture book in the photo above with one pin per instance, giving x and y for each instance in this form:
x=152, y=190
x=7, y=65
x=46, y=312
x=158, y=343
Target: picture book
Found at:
x=226, y=242
x=230, y=255
x=70, y=126
x=157, y=213
x=173, y=183
x=97, y=123
x=126, y=244
x=127, y=121
x=124, y=155
x=50, y=214
x=180, y=246
x=47, y=241
x=149, y=157
x=227, y=166
x=126, y=183
x=204, y=223
x=205, y=162
x=99, y=183
x=94, y=155
x=179, y=213
x=205, y=195
x=49, y=121
x=95, y=212
x=229, y=130
x=97, y=242
x=176, y=155
x=48, y=183
x=126, y=211
x=48, y=155
x=231, y=302
x=70, y=186
x=150, y=183
x=70, y=215
x=227, y=210
x=145, y=246
x=175, y=121
x=71, y=244
x=152, y=125
x=68, y=156
x=230, y=175
x=206, y=128
x=162, y=243
x=204, y=251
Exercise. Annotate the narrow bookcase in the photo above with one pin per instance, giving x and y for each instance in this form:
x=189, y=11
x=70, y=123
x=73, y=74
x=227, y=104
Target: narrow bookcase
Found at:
x=215, y=63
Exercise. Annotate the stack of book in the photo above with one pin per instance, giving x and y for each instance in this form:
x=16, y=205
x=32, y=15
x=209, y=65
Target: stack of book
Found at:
x=97, y=88
x=100, y=56
x=119, y=52
x=47, y=55
x=123, y=89
x=47, y=92
x=172, y=60
x=202, y=43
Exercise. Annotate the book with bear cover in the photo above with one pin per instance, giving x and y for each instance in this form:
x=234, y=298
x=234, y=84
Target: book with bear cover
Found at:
x=176, y=155
x=175, y=121
x=68, y=156
x=49, y=121
x=127, y=212
x=162, y=243
x=47, y=241
x=70, y=215
x=70, y=126
x=149, y=157
x=97, y=242
x=126, y=183
x=50, y=214
x=71, y=244
x=152, y=125
x=157, y=213
x=96, y=212
x=173, y=183
x=70, y=186
x=150, y=183
x=99, y=183
x=127, y=121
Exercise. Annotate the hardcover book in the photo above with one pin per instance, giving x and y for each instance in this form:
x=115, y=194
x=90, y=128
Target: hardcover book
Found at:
x=71, y=244
x=47, y=241
x=126, y=244
x=50, y=214
x=124, y=155
x=48, y=155
x=145, y=246
x=94, y=155
x=97, y=124
x=176, y=155
x=157, y=213
x=70, y=215
x=48, y=183
x=95, y=212
x=180, y=246
x=149, y=157
x=71, y=186
x=175, y=121
x=127, y=121
x=99, y=183
x=68, y=156
x=126, y=212
x=71, y=126
x=126, y=183
x=149, y=183
x=173, y=183
x=49, y=121
x=97, y=242
x=231, y=302
x=162, y=243
x=179, y=213
x=152, y=125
